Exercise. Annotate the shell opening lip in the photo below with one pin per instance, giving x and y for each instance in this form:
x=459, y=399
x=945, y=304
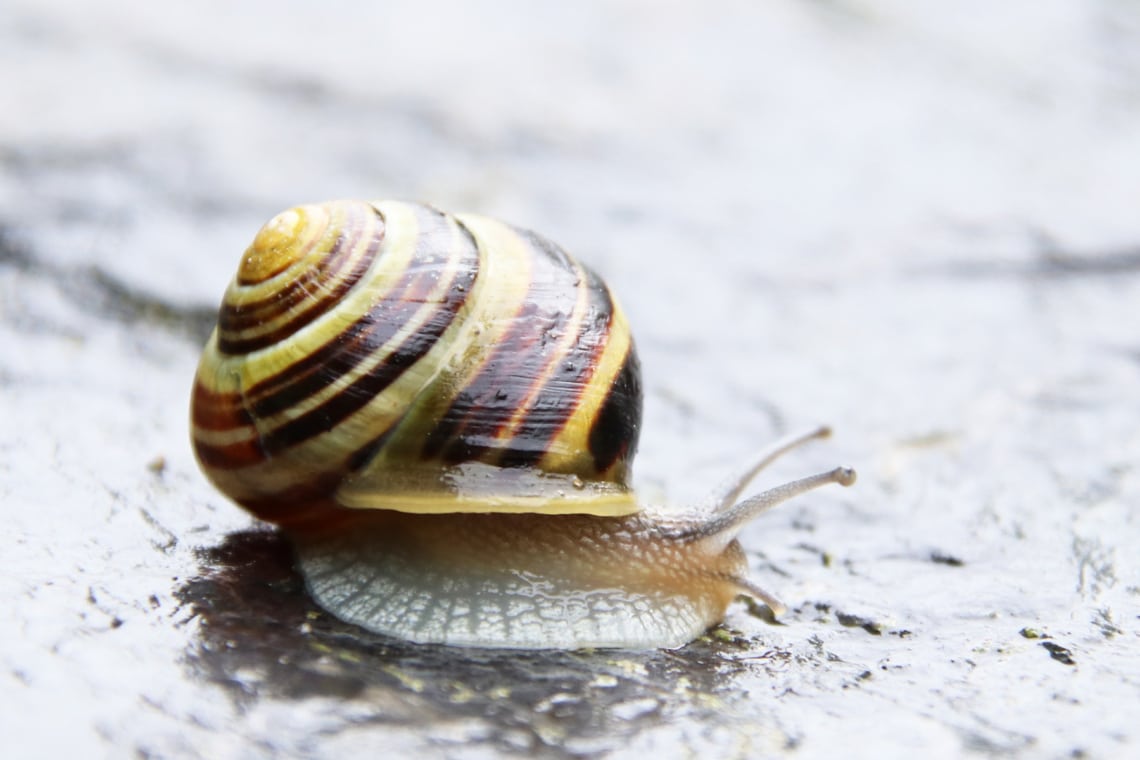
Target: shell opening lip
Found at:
x=482, y=487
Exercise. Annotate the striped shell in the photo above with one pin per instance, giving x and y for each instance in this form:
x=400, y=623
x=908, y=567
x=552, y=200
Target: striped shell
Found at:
x=391, y=356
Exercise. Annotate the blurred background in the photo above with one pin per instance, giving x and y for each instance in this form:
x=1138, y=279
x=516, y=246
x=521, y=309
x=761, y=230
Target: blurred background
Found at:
x=914, y=221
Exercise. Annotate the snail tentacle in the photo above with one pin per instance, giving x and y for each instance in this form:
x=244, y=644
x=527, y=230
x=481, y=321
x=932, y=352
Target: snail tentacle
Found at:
x=730, y=521
x=751, y=589
x=727, y=495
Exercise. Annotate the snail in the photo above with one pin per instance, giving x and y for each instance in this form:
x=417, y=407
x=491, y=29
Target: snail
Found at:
x=441, y=412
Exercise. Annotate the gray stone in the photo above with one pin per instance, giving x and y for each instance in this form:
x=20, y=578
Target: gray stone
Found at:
x=916, y=224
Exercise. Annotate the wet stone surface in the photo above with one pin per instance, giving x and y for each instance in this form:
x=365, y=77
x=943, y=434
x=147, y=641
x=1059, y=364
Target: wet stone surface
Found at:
x=917, y=226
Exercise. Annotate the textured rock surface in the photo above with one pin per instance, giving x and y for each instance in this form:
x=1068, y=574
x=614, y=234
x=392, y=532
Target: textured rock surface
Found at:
x=918, y=225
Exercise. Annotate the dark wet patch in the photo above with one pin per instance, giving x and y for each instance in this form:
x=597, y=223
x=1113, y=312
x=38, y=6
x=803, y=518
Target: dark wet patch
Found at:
x=114, y=299
x=1113, y=262
x=260, y=637
x=13, y=252
x=850, y=620
x=1103, y=620
x=102, y=294
x=872, y=627
x=1059, y=653
x=826, y=558
x=1048, y=259
x=1051, y=260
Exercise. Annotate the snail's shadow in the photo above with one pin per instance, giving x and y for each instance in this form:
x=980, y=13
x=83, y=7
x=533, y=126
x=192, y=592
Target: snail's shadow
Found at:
x=261, y=638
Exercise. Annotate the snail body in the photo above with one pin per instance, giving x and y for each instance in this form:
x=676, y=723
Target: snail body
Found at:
x=442, y=412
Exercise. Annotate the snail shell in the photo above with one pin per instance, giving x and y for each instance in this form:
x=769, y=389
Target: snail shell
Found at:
x=442, y=411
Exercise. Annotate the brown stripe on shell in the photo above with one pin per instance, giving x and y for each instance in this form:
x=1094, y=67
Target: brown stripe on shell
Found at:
x=233, y=456
x=357, y=218
x=470, y=427
x=321, y=278
x=615, y=431
x=234, y=319
x=250, y=313
x=220, y=412
x=360, y=340
x=217, y=411
x=341, y=355
x=560, y=395
x=370, y=334
x=305, y=507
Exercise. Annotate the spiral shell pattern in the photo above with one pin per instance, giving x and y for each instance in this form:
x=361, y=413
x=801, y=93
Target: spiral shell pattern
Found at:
x=391, y=356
